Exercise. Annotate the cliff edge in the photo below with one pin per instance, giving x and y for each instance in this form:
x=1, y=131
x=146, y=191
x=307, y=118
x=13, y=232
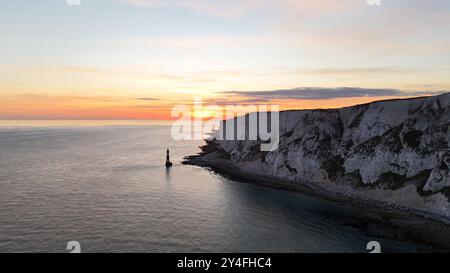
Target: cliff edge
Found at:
x=394, y=152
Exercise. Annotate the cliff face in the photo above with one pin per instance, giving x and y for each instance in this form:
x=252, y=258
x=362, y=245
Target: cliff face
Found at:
x=395, y=152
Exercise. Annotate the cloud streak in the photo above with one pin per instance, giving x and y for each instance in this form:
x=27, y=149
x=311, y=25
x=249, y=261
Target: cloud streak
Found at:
x=147, y=99
x=228, y=8
x=317, y=93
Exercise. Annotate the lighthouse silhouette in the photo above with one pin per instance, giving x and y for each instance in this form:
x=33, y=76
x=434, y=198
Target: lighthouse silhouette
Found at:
x=168, y=163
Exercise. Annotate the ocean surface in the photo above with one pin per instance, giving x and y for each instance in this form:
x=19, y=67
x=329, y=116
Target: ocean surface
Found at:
x=107, y=188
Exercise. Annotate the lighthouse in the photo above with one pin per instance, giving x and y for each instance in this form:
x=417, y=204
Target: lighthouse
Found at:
x=168, y=163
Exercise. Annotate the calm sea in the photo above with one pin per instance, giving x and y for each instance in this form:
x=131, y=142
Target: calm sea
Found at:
x=107, y=188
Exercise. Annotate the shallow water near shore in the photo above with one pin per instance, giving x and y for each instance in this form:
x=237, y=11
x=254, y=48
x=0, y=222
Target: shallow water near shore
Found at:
x=107, y=188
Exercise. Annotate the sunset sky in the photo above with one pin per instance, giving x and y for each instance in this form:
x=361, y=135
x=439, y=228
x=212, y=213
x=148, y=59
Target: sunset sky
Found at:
x=135, y=59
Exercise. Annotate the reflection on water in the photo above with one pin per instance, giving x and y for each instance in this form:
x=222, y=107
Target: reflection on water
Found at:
x=108, y=188
x=168, y=174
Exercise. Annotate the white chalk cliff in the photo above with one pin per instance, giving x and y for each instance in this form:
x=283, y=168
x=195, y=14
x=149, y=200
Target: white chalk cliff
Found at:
x=394, y=152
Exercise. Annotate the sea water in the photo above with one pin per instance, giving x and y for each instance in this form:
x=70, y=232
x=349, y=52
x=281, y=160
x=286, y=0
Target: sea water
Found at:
x=107, y=188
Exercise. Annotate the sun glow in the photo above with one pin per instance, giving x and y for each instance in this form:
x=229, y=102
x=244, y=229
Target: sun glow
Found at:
x=57, y=66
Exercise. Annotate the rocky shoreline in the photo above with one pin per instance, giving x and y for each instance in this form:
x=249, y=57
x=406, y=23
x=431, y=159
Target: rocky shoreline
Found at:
x=390, y=157
x=381, y=219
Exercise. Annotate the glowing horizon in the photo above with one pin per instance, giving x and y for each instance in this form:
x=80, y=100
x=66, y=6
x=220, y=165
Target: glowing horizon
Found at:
x=136, y=59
